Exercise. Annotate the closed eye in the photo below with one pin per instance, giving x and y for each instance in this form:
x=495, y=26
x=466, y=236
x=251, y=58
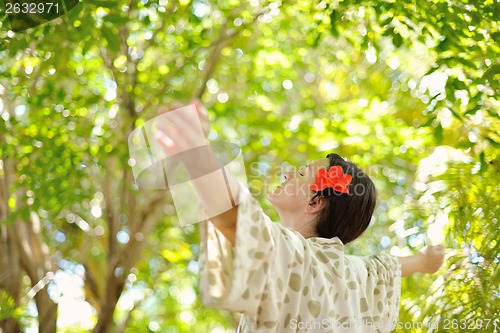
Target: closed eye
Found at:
x=302, y=171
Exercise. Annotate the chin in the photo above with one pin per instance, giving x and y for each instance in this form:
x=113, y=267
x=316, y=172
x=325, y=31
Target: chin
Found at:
x=272, y=198
x=275, y=199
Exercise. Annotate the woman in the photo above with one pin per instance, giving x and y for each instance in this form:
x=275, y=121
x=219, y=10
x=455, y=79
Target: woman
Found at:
x=295, y=276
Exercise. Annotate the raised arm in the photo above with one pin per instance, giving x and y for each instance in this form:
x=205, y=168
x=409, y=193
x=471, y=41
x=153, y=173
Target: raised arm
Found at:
x=176, y=135
x=429, y=260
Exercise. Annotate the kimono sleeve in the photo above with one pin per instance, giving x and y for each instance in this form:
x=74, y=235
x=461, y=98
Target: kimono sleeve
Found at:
x=384, y=288
x=233, y=278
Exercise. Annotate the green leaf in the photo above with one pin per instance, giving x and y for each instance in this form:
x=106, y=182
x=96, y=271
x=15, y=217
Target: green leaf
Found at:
x=473, y=109
x=106, y=4
x=429, y=121
x=333, y=23
x=443, y=45
x=431, y=70
x=465, y=62
x=458, y=84
x=116, y=19
x=397, y=40
x=492, y=72
x=316, y=40
x=388, y=32
x=387, y=21
x=484, y=164
x=7, y=306
x=456, y=114
x=493, y=142
x=438, y=134
x=111, y=39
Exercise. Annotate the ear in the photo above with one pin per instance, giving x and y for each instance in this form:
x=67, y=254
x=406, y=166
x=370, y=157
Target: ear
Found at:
x=315, y=205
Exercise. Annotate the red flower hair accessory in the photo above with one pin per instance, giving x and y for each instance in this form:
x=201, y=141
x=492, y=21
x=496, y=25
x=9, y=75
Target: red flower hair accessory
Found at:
x=333, y=178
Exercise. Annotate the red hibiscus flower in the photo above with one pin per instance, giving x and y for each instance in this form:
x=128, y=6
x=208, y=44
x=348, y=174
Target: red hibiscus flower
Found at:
x=333, y=178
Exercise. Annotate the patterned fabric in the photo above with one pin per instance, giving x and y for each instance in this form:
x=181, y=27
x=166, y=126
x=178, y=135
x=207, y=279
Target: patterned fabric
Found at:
x=282, y=282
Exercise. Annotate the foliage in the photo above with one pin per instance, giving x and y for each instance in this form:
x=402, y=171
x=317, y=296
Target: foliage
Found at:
x=462, y=36
x=388, y=84
x=7, y=306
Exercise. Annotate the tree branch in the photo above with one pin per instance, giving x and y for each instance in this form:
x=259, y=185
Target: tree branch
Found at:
x=93, y=288
x=221, y=41
x=219, y=44
x=145, y=225
x=213, y=59
x=111, y=219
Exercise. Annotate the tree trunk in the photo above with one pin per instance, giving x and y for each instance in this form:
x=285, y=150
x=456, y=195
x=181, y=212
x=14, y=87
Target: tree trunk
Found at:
x=10, y=274
x=113, y=292
x=36, y=262
x=47, y=312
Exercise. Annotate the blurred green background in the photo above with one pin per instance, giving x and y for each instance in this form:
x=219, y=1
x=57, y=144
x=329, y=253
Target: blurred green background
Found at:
x=408, y=90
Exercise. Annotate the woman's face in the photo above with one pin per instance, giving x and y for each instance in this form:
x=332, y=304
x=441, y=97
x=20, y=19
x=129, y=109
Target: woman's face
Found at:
x=294, y=193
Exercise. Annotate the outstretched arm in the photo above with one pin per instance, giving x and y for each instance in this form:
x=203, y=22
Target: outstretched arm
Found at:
x=429, y=260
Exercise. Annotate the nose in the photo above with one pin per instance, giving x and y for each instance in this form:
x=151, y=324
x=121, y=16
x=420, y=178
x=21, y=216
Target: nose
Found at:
x=288, y=175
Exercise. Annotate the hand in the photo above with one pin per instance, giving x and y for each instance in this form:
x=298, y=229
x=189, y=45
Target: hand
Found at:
x=181, y=132
x=432, y=258
x=203, y=114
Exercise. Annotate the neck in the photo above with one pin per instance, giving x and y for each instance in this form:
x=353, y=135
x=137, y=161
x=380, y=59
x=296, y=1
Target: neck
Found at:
x=302, y=222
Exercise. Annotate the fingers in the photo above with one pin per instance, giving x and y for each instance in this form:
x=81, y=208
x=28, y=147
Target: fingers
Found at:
x=438, y=248
x=200, y=108
x=434, y=258
x=202, y=115
x=183, y=119
x=174, y=138
x=434, y=252
x=181, y=130
x=438, y=253
x=165, y=142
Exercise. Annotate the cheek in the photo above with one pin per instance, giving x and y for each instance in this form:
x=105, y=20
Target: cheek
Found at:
x=298, y=192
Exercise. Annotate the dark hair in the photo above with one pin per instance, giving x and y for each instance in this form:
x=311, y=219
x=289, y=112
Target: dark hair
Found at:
x=347, y=216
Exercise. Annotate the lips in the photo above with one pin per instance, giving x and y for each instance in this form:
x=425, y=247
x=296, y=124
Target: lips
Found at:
x=280, y=187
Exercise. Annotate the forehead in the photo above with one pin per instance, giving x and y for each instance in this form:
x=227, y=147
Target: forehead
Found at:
x=321, y=163
x=316, y=165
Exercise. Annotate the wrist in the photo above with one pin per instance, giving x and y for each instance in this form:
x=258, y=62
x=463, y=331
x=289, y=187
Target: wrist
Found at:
x=420, y=262
x=198, y=161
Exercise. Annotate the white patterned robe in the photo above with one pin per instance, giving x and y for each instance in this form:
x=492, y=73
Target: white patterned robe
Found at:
x=282, y=282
